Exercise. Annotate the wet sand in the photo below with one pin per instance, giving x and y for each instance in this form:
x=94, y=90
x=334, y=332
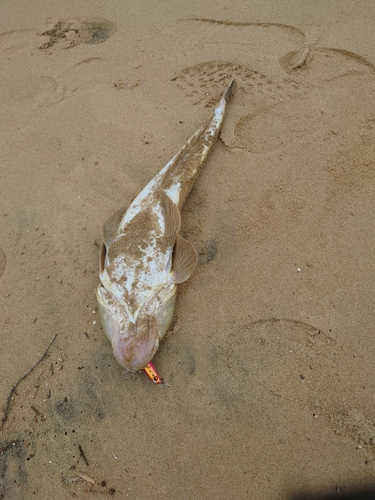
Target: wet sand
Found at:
x=268, y=366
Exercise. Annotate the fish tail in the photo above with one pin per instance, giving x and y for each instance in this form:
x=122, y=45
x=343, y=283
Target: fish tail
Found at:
x=230, y=90
x=178, y=176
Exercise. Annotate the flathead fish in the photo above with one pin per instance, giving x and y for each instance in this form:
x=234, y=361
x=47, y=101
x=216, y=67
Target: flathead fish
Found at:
x=143, y=257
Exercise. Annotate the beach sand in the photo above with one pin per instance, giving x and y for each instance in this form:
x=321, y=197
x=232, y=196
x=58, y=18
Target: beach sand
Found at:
x=269, y=363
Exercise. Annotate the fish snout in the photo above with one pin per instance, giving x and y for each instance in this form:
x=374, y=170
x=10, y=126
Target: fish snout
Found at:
x=135, y=347
x=135, y=342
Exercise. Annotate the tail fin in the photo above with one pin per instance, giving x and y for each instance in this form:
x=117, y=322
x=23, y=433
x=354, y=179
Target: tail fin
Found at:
x=230, y=89
x=179, y=175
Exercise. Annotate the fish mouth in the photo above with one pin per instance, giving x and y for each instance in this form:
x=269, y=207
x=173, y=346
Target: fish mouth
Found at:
x=134, y=343
x=133, y=350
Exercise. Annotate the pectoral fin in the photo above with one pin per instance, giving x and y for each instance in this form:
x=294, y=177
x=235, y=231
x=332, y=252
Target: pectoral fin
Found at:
x=184, y=260
x=111, y=225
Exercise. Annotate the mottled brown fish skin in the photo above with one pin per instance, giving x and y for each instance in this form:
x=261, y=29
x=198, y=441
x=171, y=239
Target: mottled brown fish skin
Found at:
x=143, y=256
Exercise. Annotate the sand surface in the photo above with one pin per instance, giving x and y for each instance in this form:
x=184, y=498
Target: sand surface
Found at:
x=269, y=364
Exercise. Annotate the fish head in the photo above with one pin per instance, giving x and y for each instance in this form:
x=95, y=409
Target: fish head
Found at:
x=135, y=341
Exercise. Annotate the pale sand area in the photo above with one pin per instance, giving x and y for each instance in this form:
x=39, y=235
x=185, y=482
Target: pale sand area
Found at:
x=269, y=366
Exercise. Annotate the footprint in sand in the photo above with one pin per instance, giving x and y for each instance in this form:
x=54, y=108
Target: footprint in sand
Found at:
x=283, y=90
x=272, y=111
x=296, y=364
x=286, y=357
x=26, y=94
x=309, y=110
x=75, y=31
x=22, y=100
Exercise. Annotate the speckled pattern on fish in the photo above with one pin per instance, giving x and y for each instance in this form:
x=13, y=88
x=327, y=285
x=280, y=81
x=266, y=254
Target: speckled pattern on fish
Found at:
x=143, y=257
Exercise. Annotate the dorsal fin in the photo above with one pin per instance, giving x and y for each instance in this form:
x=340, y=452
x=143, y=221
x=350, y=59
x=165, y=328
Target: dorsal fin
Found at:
x=184, y=260
x=111, y=225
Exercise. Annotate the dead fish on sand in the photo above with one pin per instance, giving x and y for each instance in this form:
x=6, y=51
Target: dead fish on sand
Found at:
x=143, y=257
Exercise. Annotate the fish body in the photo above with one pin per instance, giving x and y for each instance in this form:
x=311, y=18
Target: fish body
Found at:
x=143, y=257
